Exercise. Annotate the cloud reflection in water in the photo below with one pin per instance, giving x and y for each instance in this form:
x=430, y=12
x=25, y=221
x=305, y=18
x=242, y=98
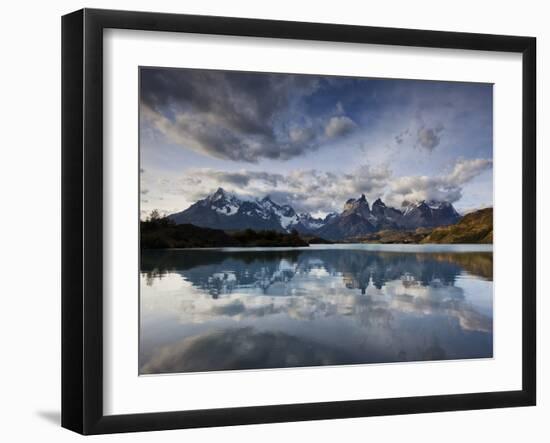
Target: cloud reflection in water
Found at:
x=209, y=310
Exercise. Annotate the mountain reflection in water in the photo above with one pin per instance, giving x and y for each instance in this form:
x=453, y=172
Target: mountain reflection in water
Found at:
x=206, y=310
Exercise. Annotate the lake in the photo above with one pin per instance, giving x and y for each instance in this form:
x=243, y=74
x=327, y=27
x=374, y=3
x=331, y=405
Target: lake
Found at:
x=258, y=308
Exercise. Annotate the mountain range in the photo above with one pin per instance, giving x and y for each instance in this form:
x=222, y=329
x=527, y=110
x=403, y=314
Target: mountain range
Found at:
x=226, y=211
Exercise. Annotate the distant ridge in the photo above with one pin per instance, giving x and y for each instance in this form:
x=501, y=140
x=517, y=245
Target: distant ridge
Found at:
x=225, y=211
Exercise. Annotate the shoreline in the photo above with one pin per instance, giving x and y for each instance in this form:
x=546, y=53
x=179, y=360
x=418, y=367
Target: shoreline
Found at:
x=368, y=247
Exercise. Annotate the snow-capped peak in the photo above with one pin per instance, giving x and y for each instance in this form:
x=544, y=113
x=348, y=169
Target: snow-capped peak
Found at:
x=223, y=202
x=434, y=204
x=310, y=222
x=219, y=194
x=225, y=210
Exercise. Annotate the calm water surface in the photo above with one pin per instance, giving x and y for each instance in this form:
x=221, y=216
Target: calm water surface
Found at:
x=243, y=308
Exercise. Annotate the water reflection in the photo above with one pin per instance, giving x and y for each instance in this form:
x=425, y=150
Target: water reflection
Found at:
x=207, y=310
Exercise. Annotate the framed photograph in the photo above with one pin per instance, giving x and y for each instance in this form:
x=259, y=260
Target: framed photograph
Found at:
x=269, y=221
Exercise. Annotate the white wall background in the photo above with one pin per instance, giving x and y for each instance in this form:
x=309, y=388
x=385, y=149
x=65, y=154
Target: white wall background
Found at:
x=30, y=221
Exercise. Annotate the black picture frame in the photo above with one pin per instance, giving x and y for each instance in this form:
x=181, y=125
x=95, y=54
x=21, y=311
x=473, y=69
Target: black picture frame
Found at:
x=82, y=219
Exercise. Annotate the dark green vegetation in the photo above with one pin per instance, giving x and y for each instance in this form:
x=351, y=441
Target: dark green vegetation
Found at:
x=476, y=227
x=313, y=240
x=249, y=237
x=161, y=233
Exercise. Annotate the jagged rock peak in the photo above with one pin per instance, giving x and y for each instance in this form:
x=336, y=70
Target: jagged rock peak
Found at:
x=358, y=206
x=353, y=202
x=220, y=192
x=228, y=211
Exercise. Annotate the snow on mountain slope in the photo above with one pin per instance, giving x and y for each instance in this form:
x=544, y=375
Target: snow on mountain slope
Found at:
x=223, y=210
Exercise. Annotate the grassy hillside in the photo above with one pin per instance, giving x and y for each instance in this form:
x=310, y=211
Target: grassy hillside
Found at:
x=476, y=227
x=394, y=237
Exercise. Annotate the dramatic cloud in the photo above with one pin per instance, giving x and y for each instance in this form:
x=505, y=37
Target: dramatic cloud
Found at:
x=302, y=139
x=446, y=187
x=235, y=115
x=421, y=134
x=320, y=192
x=340, y=125
x=236, y=179
x=306, y=190
x=301, y=135
x=210, y=137
x=429, y=138
x=466, y=170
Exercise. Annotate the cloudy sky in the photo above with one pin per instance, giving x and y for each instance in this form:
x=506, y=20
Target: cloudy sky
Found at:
x=312, y=141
